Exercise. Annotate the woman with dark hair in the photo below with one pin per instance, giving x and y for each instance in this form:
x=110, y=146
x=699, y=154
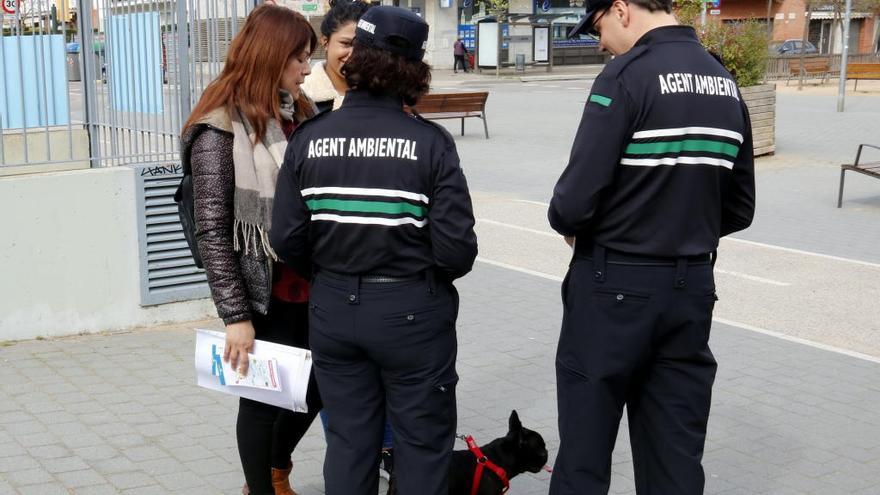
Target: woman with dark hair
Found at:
x=375, y=200
x=326, y=85
x=234, y=141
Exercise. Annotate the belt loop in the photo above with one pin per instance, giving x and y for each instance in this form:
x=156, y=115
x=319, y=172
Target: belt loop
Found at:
x=354, y=289
x=681, y=270
x=431, y=279
x=599, y=254
x=714, y=257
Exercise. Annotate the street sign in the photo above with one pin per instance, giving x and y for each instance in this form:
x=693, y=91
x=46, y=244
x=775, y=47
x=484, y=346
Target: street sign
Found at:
x=715, y=12
x=10, y=6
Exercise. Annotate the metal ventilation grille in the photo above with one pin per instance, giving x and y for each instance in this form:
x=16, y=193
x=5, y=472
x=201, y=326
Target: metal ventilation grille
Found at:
x=168, y=273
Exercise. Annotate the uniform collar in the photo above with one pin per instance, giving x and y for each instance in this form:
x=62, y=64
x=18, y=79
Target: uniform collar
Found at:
x=668, y=33
x=364, y=98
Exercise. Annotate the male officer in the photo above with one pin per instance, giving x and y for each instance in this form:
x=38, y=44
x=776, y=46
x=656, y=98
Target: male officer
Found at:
x=375, y=199
x=661, y=167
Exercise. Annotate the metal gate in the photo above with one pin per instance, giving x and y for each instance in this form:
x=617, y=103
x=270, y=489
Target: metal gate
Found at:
x=156, y=57
x=106, y=82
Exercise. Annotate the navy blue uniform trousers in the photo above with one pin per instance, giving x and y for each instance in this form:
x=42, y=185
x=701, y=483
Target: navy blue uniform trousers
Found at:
x=385, y=347
x=635, y=332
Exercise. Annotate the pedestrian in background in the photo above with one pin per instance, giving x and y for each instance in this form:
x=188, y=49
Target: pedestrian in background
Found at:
x=459, y=52
x=375, y=199
x=234, y=142
x=661, y=167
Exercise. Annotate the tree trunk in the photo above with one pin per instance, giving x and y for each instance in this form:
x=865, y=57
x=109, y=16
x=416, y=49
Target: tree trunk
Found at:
x=806, y=35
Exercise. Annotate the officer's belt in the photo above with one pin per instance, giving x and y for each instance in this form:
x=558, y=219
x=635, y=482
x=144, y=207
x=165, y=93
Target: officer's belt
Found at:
x=372, y=278
x=586, y=250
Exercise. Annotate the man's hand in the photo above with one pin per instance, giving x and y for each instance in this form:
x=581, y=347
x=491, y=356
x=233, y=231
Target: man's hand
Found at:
x=239, y=342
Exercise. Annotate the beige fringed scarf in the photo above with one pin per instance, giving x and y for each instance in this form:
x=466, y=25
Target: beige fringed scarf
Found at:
x=256, y=171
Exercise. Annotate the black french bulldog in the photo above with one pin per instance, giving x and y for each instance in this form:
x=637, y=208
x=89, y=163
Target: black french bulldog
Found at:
x=519, y=451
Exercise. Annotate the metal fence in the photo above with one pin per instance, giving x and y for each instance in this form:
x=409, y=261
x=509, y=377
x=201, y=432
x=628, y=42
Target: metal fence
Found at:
x=778, y=68
x=37, y=121
x=113, y=89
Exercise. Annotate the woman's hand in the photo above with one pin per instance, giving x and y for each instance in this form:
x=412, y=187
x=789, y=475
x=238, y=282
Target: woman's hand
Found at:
x=239, y=342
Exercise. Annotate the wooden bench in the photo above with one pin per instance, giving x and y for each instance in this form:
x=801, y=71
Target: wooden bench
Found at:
x=437, y=106
x=862, y=71
x=871, y=169
x=812, y=66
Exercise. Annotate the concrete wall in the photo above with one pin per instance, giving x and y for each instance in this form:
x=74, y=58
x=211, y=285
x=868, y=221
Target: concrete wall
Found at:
x=69, y=257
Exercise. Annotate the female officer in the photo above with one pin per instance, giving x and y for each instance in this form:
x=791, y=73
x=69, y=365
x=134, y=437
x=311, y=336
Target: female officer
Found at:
x=375, y=199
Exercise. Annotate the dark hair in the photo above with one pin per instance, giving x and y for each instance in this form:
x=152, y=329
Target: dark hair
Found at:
x=654, y=5
x=341, y=13
x=382, y=72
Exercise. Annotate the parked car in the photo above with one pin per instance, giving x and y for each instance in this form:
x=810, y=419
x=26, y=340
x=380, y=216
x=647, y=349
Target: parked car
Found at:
x=792, y=47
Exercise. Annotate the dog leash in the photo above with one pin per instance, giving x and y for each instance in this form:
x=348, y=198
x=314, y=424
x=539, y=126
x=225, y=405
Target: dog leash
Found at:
x=483, y=463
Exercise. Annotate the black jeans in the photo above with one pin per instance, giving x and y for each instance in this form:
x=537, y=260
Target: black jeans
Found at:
x=268, y=434
x=460, y=62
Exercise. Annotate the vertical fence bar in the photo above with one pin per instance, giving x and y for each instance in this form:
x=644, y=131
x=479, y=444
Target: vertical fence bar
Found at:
x=69, y=100
x=47, y=79
x=24, y=132
x=5, y=99
x=183, y=62
x=84, y=18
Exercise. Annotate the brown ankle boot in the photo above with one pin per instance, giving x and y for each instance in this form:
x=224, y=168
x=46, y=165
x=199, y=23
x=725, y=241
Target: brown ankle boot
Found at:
x=281, y=481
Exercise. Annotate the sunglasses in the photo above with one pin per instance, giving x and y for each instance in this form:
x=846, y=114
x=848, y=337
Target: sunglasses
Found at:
x=594, y=26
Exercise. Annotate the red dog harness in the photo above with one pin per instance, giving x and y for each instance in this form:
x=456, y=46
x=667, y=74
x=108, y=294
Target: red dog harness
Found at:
x=484, y=462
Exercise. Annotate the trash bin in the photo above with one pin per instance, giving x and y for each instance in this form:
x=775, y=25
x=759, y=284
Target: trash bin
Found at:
x=520, y=62
x=73, y=66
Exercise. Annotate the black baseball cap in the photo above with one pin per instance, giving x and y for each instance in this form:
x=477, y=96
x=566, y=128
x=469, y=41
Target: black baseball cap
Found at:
x=593, y=6
x=393, y=29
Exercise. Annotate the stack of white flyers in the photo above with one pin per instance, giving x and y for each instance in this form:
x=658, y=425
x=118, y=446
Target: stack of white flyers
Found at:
x=277, y=374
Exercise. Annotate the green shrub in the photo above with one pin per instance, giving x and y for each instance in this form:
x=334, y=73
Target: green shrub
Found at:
x=742, y=46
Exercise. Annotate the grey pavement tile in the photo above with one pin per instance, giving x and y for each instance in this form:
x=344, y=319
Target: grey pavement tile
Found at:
x=144, y=453
x=17, y=463
x=10, y=449
x=63, y=465
x=133, y=479
x=43, y=489
x=79, y=479
x=95, y=452
x=211, y=466
x=146, y=490
x=105, y=489
x=180, y=480
x=79, y=440
x=49, y=452
x=29, y=437
x=29, y=477
x=164, y=465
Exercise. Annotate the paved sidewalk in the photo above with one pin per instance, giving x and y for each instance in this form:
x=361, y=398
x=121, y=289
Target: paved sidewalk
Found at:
x=120, y=414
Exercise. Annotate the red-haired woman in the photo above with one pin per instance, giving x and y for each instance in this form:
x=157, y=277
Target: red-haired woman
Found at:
x=235, y=140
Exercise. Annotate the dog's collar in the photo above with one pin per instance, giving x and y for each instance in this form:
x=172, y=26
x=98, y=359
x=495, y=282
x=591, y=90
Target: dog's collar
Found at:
x=484, y=462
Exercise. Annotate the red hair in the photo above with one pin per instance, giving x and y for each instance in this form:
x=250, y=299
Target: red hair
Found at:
x=251, y=77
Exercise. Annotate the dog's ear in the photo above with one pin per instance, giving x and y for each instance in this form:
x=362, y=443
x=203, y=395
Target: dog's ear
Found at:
x=514, y=423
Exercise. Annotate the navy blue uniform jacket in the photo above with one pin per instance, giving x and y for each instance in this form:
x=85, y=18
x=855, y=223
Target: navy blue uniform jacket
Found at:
x=662, y=163
x=370, y=189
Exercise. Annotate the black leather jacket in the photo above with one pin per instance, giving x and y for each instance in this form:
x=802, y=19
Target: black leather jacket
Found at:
x=240, y=281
